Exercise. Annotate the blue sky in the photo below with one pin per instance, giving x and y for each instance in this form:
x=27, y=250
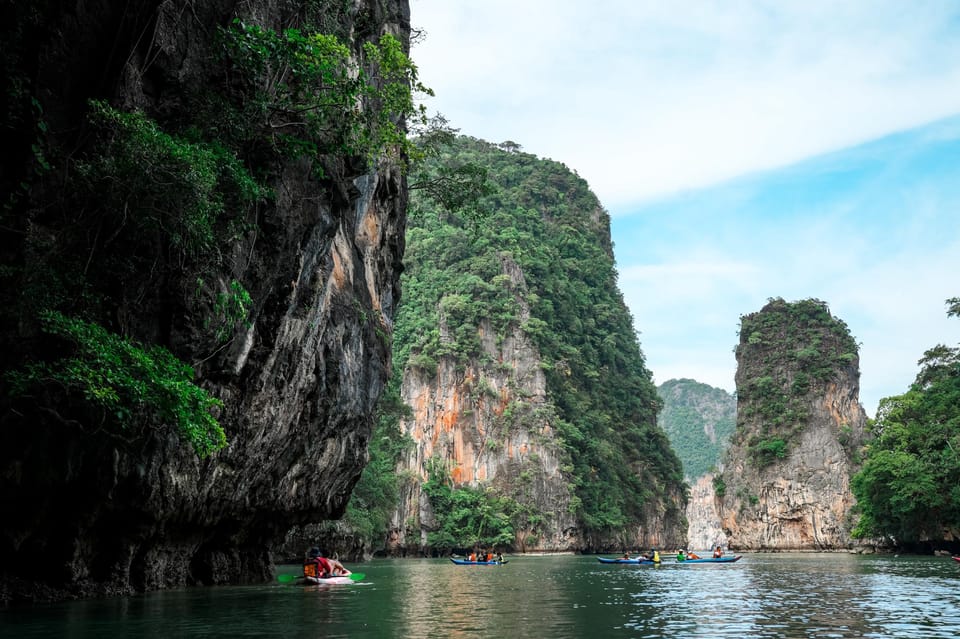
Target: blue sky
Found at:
x=745, y=150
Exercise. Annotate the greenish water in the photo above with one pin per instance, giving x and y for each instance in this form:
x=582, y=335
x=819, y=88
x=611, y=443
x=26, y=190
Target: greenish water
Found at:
x=762, y=595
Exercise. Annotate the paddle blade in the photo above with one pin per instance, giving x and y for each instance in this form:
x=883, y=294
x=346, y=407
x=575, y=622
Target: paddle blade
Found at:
x=285, y=579
x=357, y=576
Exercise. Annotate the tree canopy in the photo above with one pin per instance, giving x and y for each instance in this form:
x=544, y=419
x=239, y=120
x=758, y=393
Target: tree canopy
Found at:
x=908, y=489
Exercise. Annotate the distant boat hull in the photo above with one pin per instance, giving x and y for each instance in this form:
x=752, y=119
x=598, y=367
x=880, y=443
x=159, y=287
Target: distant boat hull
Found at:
x=606, y=560
x=467, y=562
x=711, y=560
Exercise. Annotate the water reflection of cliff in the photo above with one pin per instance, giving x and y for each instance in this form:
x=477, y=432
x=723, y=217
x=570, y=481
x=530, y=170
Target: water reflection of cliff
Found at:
x=470, y=601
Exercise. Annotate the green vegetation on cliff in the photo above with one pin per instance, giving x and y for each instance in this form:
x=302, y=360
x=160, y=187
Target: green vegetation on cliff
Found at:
x=121, y=228
x=543, y=221
x=787, y=351
x=908, y=489
x=699, y=420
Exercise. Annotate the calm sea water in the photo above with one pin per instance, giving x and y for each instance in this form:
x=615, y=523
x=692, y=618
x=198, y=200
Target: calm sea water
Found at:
x=762, y=595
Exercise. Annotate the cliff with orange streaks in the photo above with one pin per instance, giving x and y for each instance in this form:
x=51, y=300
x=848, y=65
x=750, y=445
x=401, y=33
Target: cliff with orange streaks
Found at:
x=520, y=365
x=490, y=424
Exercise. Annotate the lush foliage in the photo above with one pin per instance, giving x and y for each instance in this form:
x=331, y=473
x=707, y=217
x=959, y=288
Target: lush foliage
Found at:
x=787, y=351
x=302, y=93
x=468, y=517
x=126, y=381
x=543, y=222
x=133, y=222
x=908, y=489
x=699, y=420
x=174, y=185
x=375, y=496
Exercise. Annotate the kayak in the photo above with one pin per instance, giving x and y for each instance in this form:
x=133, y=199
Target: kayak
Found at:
x=467, y=562
x=344, y=579
x=620, y=560
x=956, y=558
x=309, y=580
x=711, y=560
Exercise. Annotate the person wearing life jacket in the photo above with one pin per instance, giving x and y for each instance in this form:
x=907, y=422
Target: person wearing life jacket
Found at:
x=680, y=555
x=718, y=553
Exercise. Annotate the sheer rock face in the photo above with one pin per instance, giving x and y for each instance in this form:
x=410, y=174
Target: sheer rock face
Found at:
x=801, y=501
x=489, y=424
x=89, y=513
x=703, y=519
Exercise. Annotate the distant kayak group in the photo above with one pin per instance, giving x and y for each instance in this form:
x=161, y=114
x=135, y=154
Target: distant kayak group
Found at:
x=682, y=556
x=480, y=559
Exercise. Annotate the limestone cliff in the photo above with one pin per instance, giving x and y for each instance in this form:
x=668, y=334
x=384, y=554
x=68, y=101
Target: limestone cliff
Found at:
x=90, y=511
x=786, y=477
x=523, y=374
x=703, y=519
x=490, y=424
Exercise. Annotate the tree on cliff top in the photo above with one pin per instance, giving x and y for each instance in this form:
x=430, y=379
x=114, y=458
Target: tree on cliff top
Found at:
x=909, y=487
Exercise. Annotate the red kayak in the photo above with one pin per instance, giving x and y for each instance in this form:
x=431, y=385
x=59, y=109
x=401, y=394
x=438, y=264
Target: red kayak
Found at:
x=956, y=558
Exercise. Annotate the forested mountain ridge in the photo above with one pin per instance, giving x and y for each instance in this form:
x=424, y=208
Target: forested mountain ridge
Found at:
x=800, y=427
x=699, y=420
x=530, y=398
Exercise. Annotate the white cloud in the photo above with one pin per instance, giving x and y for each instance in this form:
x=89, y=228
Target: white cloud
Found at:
x=648, y=98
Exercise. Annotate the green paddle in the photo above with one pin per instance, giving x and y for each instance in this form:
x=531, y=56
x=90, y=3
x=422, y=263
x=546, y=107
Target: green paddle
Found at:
x=285, y=579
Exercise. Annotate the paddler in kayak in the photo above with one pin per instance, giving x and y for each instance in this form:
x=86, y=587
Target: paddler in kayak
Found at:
x=316, y=565
x=320, y=567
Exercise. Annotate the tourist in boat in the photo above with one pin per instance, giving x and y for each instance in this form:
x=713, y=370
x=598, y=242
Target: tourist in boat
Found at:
x=321, y=566
x=337, y=569
x=654, y=556
x=499, y=557
x=718, y=553
x=680, y=555
x=626, y=555
x=692, y=555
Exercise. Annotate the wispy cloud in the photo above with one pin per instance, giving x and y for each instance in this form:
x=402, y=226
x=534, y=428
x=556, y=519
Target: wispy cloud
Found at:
x=651, y=98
